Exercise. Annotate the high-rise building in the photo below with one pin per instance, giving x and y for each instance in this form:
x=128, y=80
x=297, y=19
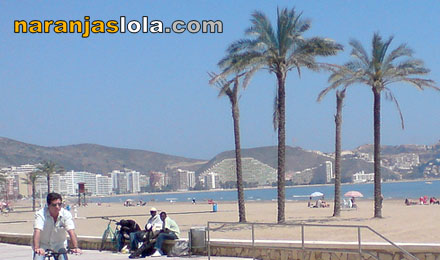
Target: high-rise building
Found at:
x=329, y=171
x=157, y=180
x=182, y=179
x=126, y=181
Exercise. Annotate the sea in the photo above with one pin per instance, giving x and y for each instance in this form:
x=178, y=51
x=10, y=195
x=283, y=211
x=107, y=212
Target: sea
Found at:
x=390, y=190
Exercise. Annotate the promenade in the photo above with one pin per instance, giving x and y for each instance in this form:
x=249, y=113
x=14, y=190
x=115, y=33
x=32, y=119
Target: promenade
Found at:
x=16, y=252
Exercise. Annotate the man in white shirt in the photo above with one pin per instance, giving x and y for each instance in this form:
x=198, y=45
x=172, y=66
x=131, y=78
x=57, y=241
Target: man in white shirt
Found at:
x=153, y=226
x=51, y=225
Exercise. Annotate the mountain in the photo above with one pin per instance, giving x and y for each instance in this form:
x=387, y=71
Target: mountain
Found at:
x=91, y=157
x=297, y=159
x=302, y=166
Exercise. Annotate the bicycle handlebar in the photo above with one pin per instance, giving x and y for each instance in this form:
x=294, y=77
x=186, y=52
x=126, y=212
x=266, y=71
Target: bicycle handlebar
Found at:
x=109, y=219
x=52, y=253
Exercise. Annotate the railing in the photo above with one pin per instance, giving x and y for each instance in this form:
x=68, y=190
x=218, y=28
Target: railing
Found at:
x=303, y=242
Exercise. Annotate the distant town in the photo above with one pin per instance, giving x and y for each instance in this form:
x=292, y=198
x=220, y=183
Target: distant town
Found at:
x=414, y=162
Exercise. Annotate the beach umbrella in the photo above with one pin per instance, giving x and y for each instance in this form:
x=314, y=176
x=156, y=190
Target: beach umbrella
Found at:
x=353, y=193
x=316, y=194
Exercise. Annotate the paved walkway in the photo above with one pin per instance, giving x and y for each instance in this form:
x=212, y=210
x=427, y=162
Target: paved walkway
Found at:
x=9, y=251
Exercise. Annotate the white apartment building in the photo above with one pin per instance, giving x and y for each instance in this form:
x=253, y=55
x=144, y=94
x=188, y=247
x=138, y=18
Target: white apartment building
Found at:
x=19, y=173
x=182, y=179
x=329, y=171
x=126, y=181
x=95, y=184
x=363, y=177
x=210, y=180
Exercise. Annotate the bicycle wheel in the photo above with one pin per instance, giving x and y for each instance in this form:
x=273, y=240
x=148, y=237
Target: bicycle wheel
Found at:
x=104, y=239
x=115, y=242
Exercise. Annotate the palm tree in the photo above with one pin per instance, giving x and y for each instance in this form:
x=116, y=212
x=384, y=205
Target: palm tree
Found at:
x=224, y=87
x=378, y=71
x=340, y=95
x=31, y=179
x=3, y=184
x=278, y=50
x=49, y=168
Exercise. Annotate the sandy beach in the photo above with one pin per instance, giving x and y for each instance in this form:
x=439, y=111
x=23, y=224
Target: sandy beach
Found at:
x=400, y=223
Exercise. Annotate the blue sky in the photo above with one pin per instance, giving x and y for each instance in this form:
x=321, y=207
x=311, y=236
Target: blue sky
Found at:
x=151, y=91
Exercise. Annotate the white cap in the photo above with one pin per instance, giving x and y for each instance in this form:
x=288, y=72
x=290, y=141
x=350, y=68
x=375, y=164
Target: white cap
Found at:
x=153, y=209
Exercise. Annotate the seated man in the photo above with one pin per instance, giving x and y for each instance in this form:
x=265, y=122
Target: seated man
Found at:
x=152, y=228
x=51, y=225
x=127, y=227
x=170, y=231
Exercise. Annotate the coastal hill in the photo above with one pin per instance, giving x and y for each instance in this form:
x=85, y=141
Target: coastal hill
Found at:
x=297, y=159
x=91, y=157
x=303, y=166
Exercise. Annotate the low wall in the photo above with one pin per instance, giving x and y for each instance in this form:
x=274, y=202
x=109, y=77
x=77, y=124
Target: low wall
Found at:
x=273, y=251
x=84, y=242
x=323, y=252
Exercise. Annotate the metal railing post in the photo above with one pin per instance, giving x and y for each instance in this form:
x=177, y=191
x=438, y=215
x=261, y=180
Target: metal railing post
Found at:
x=302, y=241
x=359, y=243
x=253, y=242
x=311, y=248
x=209, y=244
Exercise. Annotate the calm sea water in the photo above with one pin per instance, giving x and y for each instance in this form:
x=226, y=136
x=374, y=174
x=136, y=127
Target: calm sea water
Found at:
x=394, y=190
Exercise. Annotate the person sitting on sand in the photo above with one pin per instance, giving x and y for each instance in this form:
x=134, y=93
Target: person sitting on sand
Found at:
x=318, y=203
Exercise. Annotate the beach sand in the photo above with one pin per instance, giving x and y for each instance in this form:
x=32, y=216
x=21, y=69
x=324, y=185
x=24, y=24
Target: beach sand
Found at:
x=400, y=223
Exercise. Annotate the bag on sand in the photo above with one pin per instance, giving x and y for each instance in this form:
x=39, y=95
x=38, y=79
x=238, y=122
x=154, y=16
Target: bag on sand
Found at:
x=180, y=248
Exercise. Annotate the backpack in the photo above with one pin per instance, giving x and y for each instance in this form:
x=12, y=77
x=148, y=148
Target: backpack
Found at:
x=180, y=248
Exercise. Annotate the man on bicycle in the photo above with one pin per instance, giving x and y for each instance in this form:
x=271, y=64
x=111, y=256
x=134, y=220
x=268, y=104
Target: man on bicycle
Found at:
x=50, y=227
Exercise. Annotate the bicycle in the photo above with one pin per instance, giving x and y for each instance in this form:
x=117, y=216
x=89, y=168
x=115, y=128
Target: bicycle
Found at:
x=51, y=254
x=110, y=234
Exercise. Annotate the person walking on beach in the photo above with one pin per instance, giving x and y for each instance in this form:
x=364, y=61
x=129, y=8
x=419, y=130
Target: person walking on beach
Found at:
x=50, y=227
x=154, y=224
x=170, y=231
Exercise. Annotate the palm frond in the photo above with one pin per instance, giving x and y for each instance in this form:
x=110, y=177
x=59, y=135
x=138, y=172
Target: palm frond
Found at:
x=359, y=52
x=399, y=52
x=389, y=95
x=318, y=46
x=419, y=83
x=241, y=45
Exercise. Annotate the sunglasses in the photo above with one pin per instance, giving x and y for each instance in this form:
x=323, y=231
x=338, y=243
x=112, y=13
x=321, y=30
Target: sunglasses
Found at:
x=56, y=204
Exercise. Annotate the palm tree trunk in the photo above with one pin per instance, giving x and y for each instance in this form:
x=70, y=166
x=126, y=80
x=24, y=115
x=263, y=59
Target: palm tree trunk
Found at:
x=33, y=196
x=377, y=175
x=240, y=191
x=281, y=76
x=338, y=122
x=48, y=183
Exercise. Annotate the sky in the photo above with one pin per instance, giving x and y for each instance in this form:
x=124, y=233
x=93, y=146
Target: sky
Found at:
x=150, y=91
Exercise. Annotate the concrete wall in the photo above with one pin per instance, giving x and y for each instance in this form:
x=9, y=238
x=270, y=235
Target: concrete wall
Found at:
x=324, y=253
x=269, y=251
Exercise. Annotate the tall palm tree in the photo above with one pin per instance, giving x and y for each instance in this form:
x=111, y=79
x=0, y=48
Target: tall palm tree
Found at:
x=31, y=179
x=340, y=95
x=278, y=49
x=49, y=168
x=225, y=88
x=3, y=182
x=378, y=71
